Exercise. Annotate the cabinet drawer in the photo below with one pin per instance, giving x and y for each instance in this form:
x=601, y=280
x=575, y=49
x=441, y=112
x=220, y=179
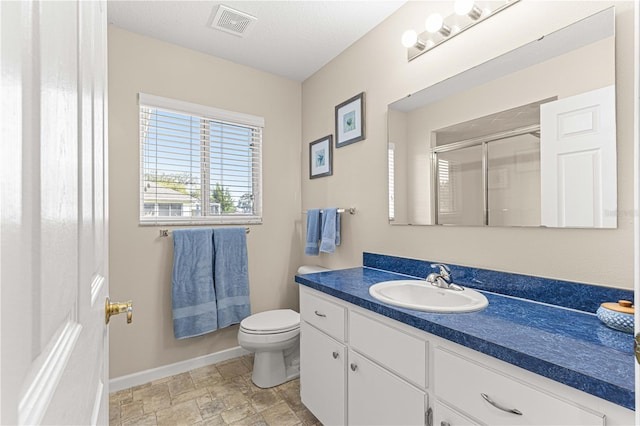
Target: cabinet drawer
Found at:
x=323, y=314
x=461, y=382
x=402, y=353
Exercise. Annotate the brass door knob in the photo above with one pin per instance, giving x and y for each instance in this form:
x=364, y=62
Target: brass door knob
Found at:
x=118, y=308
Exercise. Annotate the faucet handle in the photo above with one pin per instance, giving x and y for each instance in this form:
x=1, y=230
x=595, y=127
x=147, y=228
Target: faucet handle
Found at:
x=444, y=269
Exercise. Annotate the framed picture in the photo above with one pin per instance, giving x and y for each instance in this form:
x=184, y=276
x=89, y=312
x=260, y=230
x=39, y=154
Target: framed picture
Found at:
x=320, y=157
x=350, y=126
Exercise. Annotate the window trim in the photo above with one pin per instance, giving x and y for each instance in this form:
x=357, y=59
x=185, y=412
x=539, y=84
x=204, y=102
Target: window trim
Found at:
x=215, y=114
x=197, y=109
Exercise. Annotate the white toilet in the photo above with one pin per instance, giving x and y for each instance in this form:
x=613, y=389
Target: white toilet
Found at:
x=274, y=336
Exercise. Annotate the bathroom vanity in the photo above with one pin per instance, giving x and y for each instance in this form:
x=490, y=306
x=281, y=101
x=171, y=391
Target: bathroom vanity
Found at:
x=517, y=362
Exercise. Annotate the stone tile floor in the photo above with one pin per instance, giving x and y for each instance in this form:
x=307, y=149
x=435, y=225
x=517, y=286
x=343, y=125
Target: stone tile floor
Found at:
x=219, y=394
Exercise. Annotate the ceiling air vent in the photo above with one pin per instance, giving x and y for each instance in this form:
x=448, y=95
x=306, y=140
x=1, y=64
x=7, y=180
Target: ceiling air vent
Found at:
x=232, y=21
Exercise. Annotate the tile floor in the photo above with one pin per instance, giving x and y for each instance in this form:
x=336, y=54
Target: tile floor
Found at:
x=220, y=394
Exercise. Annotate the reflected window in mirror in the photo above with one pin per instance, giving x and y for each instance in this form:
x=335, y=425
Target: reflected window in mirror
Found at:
x=392, y=173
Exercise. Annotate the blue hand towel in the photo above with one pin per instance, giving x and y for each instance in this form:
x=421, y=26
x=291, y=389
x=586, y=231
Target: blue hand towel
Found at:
x=231, y=275
x=330, y=230
x=313, y=232
x=193, y=296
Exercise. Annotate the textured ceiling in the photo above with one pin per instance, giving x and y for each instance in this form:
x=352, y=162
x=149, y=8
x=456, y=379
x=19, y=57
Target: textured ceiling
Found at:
x=293, y=39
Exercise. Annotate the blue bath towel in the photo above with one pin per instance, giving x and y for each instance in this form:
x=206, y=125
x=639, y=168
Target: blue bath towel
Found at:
x=330, y=230
x=313, y=232
x=231, y=275
x=193, y=296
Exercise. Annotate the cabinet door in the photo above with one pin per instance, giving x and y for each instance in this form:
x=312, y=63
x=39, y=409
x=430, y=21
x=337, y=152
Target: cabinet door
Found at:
x=377, y=397
x=322, y=375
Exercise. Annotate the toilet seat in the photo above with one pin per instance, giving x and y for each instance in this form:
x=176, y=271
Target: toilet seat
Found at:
x=271, y=322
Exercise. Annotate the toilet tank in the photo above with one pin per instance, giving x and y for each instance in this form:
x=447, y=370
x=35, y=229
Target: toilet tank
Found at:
x=310, y=269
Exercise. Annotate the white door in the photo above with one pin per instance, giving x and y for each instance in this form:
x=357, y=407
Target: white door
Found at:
x=578, y=161
x=53, y=213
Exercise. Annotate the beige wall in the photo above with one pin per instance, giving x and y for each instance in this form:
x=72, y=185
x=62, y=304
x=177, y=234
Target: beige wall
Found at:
x=377, y=65
x=141, y=261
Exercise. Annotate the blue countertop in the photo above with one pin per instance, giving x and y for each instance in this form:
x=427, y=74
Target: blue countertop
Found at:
x=564, y=345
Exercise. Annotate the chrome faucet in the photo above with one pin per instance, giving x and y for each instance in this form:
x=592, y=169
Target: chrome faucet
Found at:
x=442, y=278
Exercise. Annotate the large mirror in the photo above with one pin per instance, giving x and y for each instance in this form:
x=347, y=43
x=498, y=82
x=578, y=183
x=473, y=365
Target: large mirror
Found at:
x=526, y=139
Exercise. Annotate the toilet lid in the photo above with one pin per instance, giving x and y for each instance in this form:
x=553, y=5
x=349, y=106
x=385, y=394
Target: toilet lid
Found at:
x=279, y=320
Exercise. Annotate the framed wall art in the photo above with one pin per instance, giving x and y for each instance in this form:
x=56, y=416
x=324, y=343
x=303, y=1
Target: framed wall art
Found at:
x=320, y=157
x=350, y=123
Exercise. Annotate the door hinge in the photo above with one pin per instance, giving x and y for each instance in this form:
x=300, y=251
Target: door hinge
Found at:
x=428, y=417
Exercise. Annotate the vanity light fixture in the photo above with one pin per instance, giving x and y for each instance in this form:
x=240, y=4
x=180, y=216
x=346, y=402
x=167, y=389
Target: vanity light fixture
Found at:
x=466, y=13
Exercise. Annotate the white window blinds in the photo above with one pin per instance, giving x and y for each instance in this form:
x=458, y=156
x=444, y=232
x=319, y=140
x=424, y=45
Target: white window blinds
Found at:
x=198, y=164
x=447, y=186
x=392, y=173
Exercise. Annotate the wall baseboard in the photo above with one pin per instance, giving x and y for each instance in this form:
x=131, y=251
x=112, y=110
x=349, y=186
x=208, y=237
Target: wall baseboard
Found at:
x=146, y=376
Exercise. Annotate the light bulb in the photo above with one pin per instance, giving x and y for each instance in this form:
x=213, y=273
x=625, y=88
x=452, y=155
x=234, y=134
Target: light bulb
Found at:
x=434, y=22
x=409, y=38
x=463, y=7
x=468, y=8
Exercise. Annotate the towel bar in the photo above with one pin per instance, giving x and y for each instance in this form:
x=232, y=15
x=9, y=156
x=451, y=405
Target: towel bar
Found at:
x=350, y=210
x=166, y=232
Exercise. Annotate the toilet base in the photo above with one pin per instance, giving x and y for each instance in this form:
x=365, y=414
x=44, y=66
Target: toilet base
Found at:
x=275, y=367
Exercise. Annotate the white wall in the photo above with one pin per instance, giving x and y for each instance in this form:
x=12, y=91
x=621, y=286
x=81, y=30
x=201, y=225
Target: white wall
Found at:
x=141, y=261
x=377, y=65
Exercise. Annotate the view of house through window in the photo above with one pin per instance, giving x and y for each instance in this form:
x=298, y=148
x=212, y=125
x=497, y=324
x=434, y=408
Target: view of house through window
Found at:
x=198, y=169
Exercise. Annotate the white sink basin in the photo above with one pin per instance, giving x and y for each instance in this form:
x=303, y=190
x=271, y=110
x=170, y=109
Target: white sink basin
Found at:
x=422, y=296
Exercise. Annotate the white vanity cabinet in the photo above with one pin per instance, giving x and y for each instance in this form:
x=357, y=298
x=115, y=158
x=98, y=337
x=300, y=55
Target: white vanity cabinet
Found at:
x=357, y=370
x=361, y=368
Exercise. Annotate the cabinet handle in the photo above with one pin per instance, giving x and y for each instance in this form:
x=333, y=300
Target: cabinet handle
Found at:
x=500, y=407
x=443, y=423
x=321, y=314
x=335, y=355
x=354, y=367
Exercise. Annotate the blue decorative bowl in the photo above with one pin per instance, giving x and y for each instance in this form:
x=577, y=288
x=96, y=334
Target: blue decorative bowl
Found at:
x=617, y=316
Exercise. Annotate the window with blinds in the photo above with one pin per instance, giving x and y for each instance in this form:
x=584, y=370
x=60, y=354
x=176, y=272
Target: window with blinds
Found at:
x=392, y=173
x=198, y=164
x=447, y=184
